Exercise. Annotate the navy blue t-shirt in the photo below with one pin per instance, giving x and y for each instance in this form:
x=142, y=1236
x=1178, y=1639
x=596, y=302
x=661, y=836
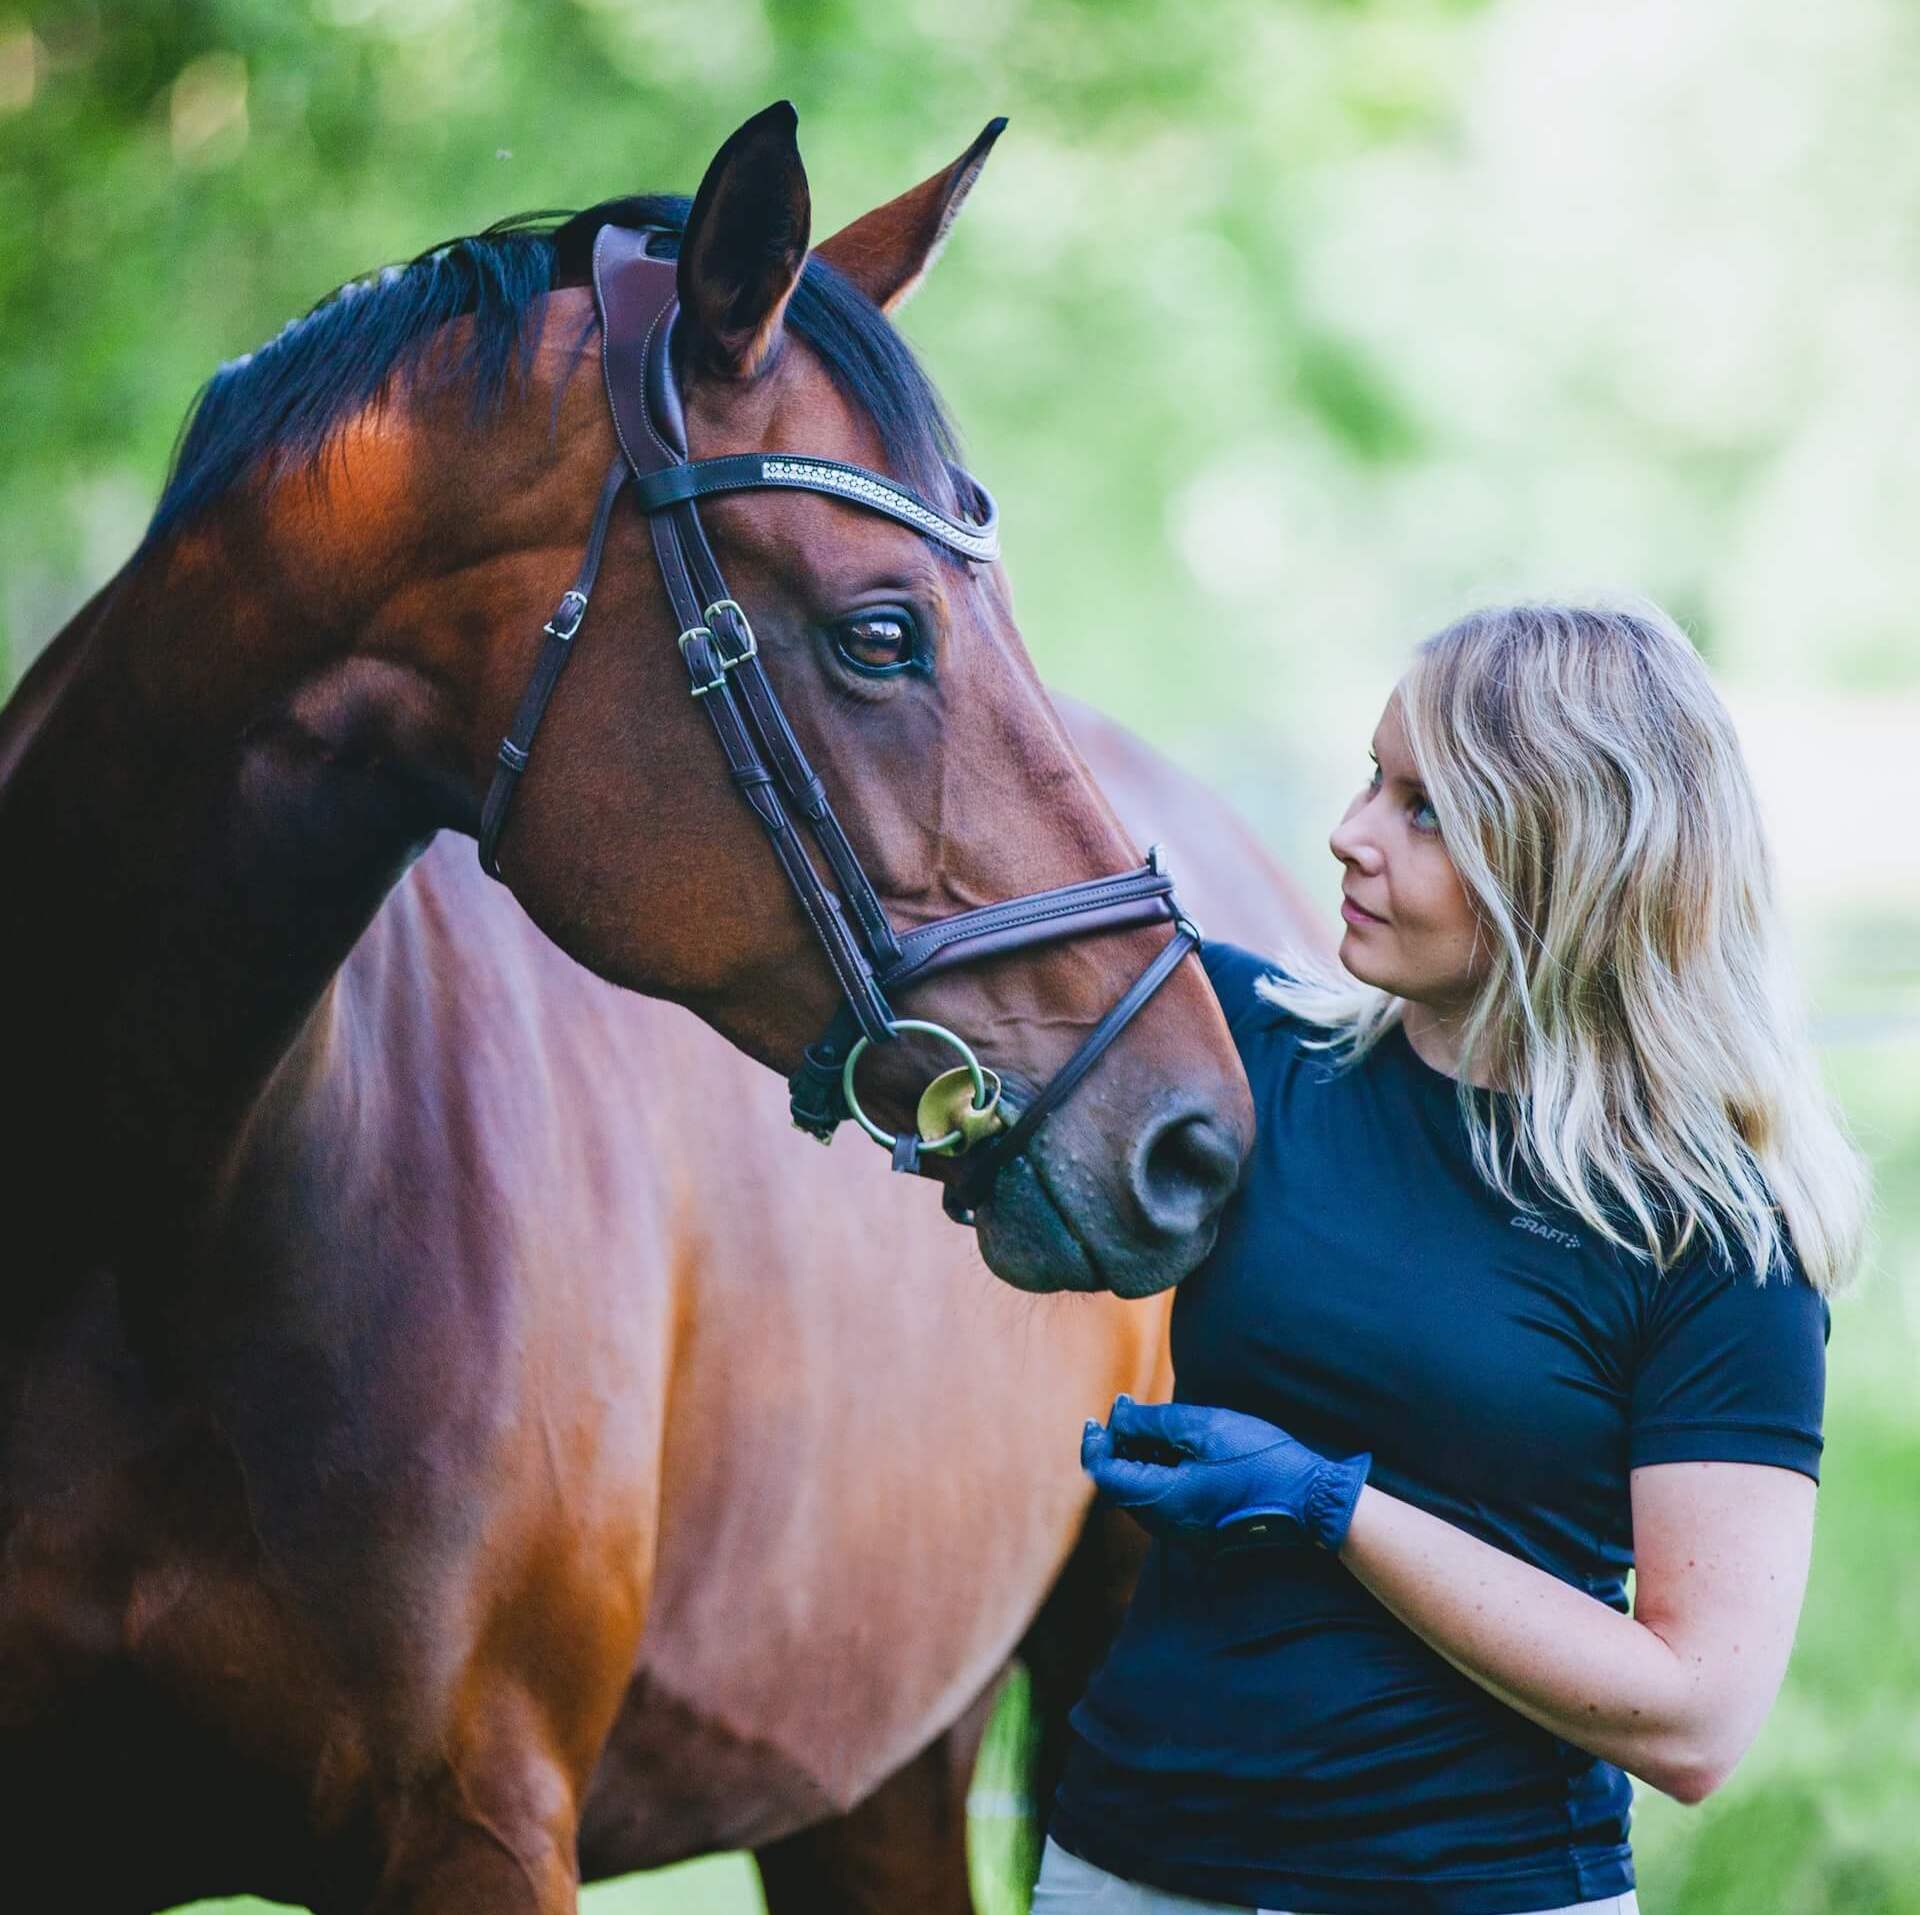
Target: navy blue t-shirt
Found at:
x=1264, y=1731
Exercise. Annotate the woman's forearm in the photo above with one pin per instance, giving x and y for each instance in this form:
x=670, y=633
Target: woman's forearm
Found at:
x=1603, y=1681
x=1674, y=1692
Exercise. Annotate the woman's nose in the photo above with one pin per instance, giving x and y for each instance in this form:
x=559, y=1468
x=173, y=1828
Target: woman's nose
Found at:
x=1352, y=844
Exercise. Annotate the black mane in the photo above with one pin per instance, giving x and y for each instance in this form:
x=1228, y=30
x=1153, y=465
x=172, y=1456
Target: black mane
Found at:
x=286, y=400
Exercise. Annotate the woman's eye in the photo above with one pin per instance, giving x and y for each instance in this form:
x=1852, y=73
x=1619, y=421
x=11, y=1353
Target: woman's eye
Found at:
x=878, y=643
x=1425, y=818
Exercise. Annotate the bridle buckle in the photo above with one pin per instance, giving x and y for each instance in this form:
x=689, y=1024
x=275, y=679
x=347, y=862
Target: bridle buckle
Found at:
x=722, y=614
x=718, y=682
x=566, y=616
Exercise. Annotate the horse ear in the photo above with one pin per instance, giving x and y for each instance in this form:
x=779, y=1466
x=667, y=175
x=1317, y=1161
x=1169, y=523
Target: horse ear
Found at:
x=887, y=253
x=745, y=243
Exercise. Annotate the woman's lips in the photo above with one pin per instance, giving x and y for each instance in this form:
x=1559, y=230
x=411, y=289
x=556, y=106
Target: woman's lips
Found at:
x=1354, y=915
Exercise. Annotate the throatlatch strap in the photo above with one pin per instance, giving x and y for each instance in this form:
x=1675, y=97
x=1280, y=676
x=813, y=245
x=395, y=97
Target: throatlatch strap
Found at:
x=516, y=748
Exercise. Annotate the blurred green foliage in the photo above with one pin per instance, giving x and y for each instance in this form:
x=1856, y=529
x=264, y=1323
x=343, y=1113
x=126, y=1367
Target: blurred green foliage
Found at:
x=1283, y=329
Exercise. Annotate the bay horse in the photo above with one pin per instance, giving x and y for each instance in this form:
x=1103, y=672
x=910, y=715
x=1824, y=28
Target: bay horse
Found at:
x=455, y=1439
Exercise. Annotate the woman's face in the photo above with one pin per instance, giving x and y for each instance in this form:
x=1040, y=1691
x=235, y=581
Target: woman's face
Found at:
x=1411, y=928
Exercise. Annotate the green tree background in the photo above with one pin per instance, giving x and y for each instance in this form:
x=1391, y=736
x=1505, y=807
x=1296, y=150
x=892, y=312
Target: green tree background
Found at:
x=1284, y=329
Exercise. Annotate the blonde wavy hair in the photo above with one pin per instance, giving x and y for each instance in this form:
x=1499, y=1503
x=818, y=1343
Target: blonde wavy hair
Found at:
x=1639, y=1005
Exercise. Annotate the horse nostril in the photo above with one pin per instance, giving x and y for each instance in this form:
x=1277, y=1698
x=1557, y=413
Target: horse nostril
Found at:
x=1184, y=1168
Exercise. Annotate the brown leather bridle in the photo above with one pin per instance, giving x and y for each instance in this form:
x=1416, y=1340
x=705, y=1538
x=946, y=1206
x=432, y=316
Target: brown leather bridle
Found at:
x=959, y=1114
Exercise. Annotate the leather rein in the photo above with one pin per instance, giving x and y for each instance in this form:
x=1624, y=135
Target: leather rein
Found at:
x=960, y=1112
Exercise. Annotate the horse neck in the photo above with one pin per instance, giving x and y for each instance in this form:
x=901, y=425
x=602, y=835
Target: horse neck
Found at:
x=186, y=868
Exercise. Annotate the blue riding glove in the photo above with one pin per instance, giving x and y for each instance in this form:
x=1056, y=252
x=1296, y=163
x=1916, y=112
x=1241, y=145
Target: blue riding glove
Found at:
x=1218, y=1477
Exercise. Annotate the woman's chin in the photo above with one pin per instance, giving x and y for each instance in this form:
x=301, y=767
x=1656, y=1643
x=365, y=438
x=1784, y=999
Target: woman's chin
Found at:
x=1356, y=961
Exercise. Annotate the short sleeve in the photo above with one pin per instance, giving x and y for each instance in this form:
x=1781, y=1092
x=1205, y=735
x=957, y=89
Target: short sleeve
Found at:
x=1731, y=1371
x=1233, y=973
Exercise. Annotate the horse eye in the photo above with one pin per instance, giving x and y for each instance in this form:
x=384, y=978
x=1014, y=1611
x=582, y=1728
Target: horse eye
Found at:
x=878, y=643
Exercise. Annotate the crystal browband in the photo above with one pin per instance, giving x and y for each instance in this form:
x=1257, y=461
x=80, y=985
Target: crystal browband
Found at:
x=753, y=471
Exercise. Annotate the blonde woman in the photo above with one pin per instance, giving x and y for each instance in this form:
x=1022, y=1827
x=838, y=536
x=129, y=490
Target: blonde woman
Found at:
x=1524, y=1288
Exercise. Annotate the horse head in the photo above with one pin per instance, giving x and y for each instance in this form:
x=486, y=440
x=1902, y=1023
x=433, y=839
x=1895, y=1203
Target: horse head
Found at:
x=444, y=535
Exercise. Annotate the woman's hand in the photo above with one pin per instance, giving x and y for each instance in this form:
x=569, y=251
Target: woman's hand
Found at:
x=1181, y=1468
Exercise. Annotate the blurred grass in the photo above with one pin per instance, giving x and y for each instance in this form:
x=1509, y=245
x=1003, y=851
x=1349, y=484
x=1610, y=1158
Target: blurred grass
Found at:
x=1820, y=1819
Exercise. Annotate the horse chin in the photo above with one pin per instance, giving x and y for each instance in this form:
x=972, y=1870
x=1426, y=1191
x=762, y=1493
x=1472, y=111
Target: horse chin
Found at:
x=1031, y=1240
